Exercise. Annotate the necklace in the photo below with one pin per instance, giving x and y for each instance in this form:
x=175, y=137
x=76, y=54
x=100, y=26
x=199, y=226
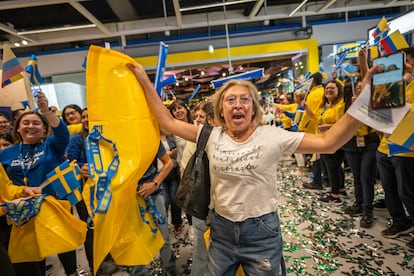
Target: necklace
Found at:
x=27, y=161
x=241, y=135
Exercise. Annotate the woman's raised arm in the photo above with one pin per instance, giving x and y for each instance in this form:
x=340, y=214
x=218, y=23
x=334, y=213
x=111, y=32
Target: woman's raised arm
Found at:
x=168, y=123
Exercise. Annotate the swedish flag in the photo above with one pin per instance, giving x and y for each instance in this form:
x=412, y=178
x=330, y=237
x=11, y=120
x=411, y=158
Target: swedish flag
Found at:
x=32, y=69
x=66, y=181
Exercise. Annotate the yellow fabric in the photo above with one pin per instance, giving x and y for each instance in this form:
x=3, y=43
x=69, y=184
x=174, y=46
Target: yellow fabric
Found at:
x=383, y=146
x=364, y=130
x=117, y=102
x=75, y=128
x=239, y=271
x=8, y=191
x=331, y=113
x=53, y=230
x=314, y=101
x=286, y=121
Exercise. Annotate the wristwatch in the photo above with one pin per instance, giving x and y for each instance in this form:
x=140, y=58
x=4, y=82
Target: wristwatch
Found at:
x=155, y=184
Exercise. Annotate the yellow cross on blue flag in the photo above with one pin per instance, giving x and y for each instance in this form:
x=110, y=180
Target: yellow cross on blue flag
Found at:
x=32, y=69
x=66, y=181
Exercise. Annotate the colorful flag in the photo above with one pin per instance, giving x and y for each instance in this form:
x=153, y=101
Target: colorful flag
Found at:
x=374, y=52
x=402, y=139
x=394, y=42
x=381, y=28
x=341, y=59
x=32, y=69
x=349, y=69
x=66, y=181
x=12, y=69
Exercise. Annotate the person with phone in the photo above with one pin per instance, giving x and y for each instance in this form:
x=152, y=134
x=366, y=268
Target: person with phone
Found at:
x=397, y=171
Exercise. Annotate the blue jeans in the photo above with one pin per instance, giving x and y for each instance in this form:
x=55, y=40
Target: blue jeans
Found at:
x=364, y=170
x=170, y=186
x=397, y=175
x=200, y=257
x=254, y=243
x=166, y=254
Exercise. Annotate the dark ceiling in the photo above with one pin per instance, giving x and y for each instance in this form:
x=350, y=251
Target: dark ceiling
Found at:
x=63, y=24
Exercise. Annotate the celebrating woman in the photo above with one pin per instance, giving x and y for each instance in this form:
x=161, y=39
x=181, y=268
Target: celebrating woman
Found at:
x=243, y=156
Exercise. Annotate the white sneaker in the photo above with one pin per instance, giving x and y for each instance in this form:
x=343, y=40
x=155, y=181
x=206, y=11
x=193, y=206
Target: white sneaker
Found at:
x=190, y=232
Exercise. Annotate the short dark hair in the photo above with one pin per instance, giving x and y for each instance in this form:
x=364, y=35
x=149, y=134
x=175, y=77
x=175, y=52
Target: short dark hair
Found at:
x=317, y=78
x=409, y=51
x=73, y=106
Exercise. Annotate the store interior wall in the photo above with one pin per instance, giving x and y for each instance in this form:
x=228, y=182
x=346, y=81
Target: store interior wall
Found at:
x=66, y=67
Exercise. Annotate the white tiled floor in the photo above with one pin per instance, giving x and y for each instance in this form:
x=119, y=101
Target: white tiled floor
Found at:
x=319, y=238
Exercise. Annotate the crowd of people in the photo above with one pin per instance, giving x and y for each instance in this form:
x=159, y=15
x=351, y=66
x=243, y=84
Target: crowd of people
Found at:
x=244, y=224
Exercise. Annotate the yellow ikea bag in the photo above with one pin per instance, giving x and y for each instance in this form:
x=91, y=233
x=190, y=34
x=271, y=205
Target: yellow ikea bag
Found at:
x=117, y=102
x=52, y=231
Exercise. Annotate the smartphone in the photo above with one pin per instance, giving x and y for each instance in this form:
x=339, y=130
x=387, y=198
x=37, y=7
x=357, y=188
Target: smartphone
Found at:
x=388, y=87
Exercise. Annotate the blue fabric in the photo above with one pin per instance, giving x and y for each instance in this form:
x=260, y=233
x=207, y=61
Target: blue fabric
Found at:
x=47, y=156
x=364, y=171
x=397, y=174
x=152, y=170
x=76, y=150
x=200, y=255
x=255, y=243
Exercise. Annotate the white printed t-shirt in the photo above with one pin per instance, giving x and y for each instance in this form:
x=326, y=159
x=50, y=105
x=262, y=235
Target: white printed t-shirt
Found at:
x=244, y=174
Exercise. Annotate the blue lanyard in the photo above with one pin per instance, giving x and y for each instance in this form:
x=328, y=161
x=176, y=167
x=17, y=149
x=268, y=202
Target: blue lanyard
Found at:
x=30, y=158
x=101, y=176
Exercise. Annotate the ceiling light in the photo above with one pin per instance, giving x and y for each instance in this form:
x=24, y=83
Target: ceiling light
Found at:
x=66, y=28
x=214, y=5
x=298, y=7
x=327, y=5
x=266, y=22
x=167, y=33
x=17, y=44
x=24, y=42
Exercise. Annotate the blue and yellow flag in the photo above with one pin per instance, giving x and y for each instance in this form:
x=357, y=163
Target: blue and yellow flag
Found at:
x=402, y=139
x=66, y=181
x=12, y=69
x=394, y=42
x=33, y=70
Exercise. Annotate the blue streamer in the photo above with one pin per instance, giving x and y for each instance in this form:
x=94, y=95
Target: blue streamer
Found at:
x=258, y=73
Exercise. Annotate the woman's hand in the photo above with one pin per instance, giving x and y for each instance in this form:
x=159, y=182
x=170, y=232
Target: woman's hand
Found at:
x=84, y=170
x=42, y=102
x=146, y=189
x=31, y=191
x=367, y=79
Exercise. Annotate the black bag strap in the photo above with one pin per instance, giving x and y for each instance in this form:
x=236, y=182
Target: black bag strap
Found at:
x=202, y=140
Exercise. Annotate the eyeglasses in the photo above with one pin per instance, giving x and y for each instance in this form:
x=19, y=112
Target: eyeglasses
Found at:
x=231, y=100
x=4, y=122
x=70, y=113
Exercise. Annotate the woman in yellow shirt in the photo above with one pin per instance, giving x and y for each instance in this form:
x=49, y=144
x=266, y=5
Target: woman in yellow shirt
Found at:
x=332, y=109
